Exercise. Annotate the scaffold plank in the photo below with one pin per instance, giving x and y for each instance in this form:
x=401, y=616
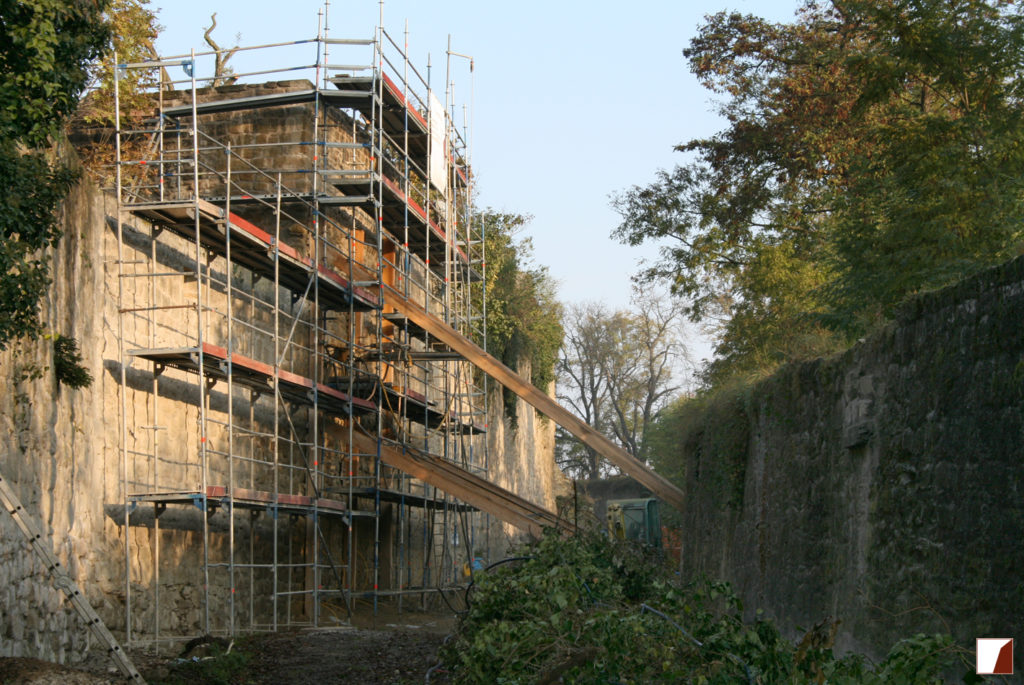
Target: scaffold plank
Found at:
x=409, y=499
x=245, y=498
x=236, y=104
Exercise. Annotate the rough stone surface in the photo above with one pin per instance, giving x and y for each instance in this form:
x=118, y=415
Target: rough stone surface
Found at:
x=61, y=451
x=882, y=487
x=59, y=457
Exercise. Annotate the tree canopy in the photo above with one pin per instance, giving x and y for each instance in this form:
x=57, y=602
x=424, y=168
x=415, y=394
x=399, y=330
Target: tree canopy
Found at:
x=872, y=150
x=46, y=47
x=616, y=371
x=523, y=314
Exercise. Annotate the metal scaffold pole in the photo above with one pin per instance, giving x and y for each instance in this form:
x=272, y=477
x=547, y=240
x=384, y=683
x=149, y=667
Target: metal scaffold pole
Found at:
x=378, y=137
x=315, y=343
x=229, y=274
x=121, y=356
x=277, y=399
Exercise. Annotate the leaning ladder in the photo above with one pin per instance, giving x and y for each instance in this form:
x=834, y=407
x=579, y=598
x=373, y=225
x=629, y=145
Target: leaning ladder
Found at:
x=30, y=528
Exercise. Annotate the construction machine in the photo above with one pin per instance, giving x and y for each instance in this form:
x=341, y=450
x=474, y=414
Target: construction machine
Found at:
x=635, y=519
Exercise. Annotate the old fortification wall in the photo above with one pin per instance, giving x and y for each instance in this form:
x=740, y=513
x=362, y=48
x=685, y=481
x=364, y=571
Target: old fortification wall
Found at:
x=882, y=487
x=60, y=449
x=529, y=440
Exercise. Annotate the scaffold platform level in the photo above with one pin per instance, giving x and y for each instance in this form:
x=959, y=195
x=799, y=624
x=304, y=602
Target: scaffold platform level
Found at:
x=465, y=426
x=294, y=198
x=254, y=249
x=413, y=406
x=403, y=322
x=257, y=376
x=215, y=496
x=394, y=108
x=443, y=355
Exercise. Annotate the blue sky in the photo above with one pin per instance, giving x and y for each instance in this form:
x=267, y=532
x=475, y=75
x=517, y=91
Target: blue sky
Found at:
x=571, y=101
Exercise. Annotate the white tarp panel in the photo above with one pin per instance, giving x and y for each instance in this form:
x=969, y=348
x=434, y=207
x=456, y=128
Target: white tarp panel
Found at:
x=438, y=146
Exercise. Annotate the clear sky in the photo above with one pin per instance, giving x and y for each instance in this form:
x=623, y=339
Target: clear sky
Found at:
x=571, y=101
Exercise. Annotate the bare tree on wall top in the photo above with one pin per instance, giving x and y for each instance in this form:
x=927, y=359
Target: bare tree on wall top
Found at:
x=223, y=75
x=617, y=370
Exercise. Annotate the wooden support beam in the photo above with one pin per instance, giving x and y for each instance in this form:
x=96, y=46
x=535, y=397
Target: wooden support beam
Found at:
x=658, y=485
x=467, y=487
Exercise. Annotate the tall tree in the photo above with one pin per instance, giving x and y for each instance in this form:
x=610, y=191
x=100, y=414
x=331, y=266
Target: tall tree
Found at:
x=581, y=385
x=872, y=150
x=642, y=374
x=616, y=371
x=46, y=47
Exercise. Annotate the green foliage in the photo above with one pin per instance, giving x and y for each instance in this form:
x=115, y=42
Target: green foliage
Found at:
x=590, y=610
x=714, y=423
x=523, y=314
x=45, y=49
x=873, y=150
x=133, y=28
x=67, y=363
x=33, y=189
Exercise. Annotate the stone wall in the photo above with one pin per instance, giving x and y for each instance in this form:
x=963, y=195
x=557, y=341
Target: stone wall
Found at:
x=883, y=487
x=60, y=449
x=59, y=452
x=530, y=439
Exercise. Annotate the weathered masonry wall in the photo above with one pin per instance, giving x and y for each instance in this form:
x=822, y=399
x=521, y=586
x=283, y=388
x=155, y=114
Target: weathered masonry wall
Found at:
x=60, y=449
x=883, y=487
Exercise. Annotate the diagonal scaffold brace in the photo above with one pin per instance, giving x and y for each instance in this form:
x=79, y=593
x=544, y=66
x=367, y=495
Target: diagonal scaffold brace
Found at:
x=62, y=581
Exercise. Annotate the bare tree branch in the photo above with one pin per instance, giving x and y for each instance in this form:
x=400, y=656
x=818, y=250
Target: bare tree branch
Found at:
x=222, y=74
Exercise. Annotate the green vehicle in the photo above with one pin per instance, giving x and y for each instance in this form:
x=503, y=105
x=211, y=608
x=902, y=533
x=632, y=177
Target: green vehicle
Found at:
x=635, y=519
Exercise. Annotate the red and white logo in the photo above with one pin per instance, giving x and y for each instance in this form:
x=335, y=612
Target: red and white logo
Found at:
x=995, y=656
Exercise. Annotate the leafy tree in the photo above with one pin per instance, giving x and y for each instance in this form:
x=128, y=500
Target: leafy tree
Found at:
x=873, y=149
x=133, y=28
x=523, y=314
x=46, y=47
x=941, y=193
x=616, y=372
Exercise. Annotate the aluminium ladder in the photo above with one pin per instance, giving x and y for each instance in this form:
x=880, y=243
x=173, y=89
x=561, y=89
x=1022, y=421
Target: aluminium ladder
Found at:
x=61, y=580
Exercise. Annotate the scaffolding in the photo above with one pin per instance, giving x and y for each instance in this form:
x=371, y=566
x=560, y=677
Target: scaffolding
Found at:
x=269, y=385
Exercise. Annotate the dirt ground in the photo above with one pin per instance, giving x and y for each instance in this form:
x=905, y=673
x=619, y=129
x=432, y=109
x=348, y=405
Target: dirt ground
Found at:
x=385, y=650
x=389, y=649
